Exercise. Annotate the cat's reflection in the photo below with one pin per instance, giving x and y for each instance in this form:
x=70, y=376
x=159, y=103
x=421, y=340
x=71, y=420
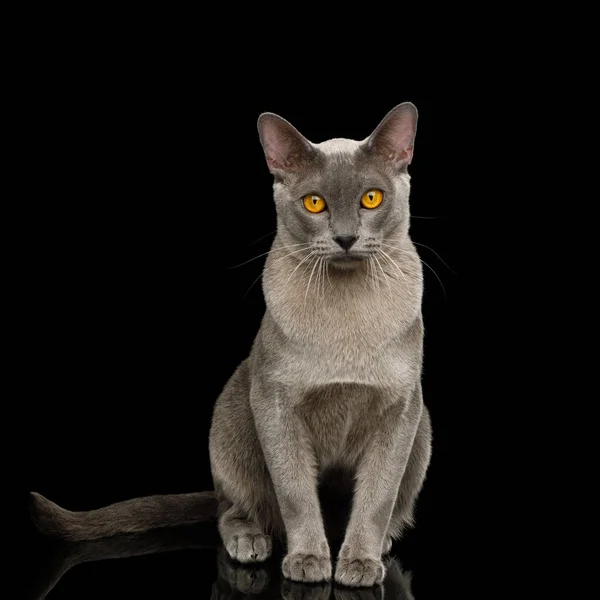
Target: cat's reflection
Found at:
x=258, y=582
x=60, y=557
x=236, y=581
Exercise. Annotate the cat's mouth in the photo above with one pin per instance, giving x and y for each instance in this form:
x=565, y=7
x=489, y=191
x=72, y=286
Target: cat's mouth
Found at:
x=347, y=259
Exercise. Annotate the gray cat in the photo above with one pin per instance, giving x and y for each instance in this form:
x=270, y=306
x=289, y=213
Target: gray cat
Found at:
x=332, y=384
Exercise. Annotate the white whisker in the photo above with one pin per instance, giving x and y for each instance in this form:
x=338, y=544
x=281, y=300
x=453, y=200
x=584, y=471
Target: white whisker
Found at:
x=322, y=274
x=307, y=256
x=371, y=269
x=262, y=237
x=286, y=256
x=426, y=264
x=436, y=275
x=265, y=253
x=310, y=278
x=443, y=261
x=384, y=275
x=318, y=279
x=253, y=283
x=389, y=258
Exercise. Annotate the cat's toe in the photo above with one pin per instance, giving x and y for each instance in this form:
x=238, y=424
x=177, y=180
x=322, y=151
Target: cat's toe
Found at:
x=359, y=572
x=310, y=568
x=249, y=547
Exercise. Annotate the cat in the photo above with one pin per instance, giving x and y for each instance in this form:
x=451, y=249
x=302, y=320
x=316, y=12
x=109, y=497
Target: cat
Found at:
x=331, y=390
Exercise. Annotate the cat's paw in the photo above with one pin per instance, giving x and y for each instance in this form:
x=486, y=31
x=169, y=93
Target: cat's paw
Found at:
x=357, y=571
x=249, y=547
x=308, y=567
x=247, y=580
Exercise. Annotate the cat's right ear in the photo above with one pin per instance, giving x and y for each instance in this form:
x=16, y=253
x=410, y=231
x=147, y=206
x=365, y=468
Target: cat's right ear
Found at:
x=286, y=149
x=394, y=138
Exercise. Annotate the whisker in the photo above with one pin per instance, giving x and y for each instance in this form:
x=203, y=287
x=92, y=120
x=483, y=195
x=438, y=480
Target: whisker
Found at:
x=371, y=266
x=437, y=276
x=384, y=275
x=443, y=261
x=425, y=263
x=270, y=265
x=400, y=249
x=376, y=276
x=265, y=253
x=389, y=258
x=318, y=279
x=307, y=256
x=262, y=237
x=253, y=284
x=286, y=256
x=322, y=273
x=310, y=278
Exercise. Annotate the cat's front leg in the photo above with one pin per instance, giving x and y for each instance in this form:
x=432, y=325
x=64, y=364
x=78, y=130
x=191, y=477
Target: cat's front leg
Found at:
x=377, y=482
x=290, y=458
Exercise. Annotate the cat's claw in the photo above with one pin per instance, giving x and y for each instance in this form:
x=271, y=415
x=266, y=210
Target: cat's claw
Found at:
x=359, y=572
x=307, y=567
x=250, y=547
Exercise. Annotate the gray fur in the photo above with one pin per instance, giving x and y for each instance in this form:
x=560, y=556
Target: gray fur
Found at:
x=333, y=378
x=131, y=516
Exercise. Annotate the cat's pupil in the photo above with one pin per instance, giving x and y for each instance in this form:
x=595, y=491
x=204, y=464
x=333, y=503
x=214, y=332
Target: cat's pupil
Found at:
x=314, y=200
x=371, y=197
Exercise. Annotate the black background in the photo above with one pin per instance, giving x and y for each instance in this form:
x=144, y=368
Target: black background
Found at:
x=147, y=186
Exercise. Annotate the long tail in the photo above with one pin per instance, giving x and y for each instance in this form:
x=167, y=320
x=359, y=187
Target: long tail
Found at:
x=131, y=516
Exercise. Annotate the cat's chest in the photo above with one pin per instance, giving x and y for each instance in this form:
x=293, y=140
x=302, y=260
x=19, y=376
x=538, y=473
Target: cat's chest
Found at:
x=317, y=360
x=338, y=418
x=348, y=332
x=339, y=339
x=350, y=314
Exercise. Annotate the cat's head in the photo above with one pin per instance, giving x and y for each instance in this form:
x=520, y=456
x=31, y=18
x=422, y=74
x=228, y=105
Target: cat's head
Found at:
x=344, y=199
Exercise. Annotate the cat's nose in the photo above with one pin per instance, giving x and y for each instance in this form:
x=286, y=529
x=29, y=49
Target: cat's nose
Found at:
x=346, y=241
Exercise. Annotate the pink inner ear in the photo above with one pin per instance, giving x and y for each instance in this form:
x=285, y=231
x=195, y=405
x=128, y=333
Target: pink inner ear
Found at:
x=400, y=138
x=405, y=156
x=276, y=154
x=282, y=144
x=394, y=138
x=396, y=150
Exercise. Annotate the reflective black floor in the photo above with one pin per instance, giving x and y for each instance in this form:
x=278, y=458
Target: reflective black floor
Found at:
x=182, y=563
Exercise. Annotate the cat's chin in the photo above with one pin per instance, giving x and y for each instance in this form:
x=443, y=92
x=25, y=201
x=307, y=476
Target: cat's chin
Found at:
x=346, y=263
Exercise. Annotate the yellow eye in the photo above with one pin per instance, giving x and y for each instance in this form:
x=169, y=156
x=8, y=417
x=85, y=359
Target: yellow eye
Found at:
x=314, y=203
x=372, y=199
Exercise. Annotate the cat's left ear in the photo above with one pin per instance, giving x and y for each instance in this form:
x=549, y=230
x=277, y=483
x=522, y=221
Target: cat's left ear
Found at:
x=394, y=138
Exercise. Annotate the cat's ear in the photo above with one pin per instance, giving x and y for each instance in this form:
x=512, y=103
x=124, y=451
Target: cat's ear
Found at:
x=286, y=149
x=394, y=138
